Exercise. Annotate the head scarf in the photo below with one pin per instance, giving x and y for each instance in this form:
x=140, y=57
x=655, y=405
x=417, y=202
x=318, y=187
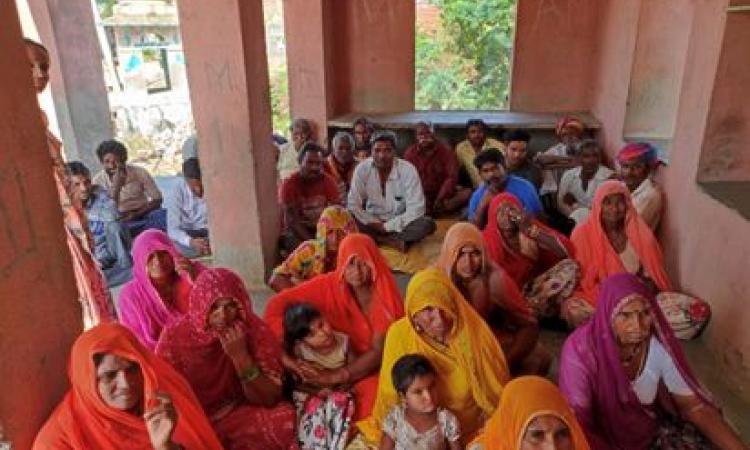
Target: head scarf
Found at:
x=591, y=356
x=141, y=308
x=595, y=254
x=83, y=421
x=459, y=236
x=472, y=357
x=335, y=218
x=331, y=295
x=520, y=265
x=642, y=151
x=523, y=400
x=569, y=122
x=195, y=350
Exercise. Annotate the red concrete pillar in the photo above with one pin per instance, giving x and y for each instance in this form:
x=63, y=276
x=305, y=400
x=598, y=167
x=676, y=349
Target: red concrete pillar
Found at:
x=349, y=56
x=39, y=312
x=67, y=29
x=307, y=30
x=225, y=53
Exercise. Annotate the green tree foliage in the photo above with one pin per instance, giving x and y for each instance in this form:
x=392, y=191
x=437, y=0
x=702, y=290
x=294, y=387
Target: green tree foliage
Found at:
x=105, y=7
x=465, y=64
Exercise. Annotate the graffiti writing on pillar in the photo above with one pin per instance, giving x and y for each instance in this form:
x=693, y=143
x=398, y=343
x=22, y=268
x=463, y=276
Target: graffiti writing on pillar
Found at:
x=17, y=236
x=220, y=77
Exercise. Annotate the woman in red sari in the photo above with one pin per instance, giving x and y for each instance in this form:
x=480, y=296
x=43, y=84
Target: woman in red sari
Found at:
x=538, y=258
x=359, y=299
x=233, y=363
x=123, y=397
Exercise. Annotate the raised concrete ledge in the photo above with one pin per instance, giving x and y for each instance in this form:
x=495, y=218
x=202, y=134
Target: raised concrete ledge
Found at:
x=458, y=119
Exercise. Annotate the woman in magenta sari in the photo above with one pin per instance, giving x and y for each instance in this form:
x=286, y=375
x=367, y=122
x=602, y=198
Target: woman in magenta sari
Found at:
x=233, y=363
x=627, y=379
x=159, y=291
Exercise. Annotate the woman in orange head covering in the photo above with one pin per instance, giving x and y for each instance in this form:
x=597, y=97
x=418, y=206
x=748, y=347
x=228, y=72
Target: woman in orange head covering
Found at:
x=615, y=239
x=124, y=397
x=635, y=249
x=359, y=299
x=495, y=297
x=532, y=415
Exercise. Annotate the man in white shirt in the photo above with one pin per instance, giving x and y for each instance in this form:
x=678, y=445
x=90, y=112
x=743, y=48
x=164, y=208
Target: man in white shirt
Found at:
x=187, y=217
x=579, y=184
x=636, y=163
x=386, y=196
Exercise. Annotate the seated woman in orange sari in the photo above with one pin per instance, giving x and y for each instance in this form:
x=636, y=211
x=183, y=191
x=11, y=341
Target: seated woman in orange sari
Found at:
x=469, y=363
x=532, y=415
x=615, y=239
x=538, y=258
x=233, y=362
x=495, y=296
x=359, y=299
x=123, y=397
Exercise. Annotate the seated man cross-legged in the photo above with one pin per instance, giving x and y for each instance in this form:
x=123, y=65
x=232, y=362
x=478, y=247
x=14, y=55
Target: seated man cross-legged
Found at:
x=187, y=217
x=438, y=170
x=386, y=197
x=132, y=188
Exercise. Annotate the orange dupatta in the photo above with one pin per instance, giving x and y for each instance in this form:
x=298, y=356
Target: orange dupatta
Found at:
x=523, y=400
x=595, y=254
x=331, y=295
x=83, y=421
x=462, y=234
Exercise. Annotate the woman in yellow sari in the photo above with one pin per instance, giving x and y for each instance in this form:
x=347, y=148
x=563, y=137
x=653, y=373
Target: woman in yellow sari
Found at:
x=532, y=415
x=442, y=326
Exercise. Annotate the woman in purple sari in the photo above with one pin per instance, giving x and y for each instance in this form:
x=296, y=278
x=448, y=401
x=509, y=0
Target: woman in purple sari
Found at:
x=160, y=288
x=629, y=383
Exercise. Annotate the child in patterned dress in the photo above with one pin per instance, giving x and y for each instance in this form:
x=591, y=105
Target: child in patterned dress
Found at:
x=418, y=423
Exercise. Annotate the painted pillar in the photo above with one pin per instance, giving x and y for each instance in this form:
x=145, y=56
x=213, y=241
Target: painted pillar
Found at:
x=224, y=44
x=349, y=56
x=307, y=30
x=39, y=312
x=67, y=29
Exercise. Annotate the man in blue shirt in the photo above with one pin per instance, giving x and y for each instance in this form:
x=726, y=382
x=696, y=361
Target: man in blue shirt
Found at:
x=491, y=166
x=111, y=238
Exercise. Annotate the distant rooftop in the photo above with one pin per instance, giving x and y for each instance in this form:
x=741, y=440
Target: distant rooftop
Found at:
x=142, y=13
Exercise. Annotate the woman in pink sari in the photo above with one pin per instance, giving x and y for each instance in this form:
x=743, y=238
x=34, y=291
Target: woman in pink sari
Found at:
x=233, y=363
x=159, y=291
x=627, y=379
